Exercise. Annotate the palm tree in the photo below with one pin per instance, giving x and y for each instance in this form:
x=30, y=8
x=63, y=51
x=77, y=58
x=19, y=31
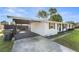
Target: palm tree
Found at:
x=42, y=14
x=52, y=11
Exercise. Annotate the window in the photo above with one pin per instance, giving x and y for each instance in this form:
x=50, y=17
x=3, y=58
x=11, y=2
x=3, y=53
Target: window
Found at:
x=51, y=25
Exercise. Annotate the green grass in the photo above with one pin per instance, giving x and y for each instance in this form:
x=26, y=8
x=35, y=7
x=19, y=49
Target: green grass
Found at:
x=71, y=40
x=58, y=35
x=5, y=46
x=1, y=31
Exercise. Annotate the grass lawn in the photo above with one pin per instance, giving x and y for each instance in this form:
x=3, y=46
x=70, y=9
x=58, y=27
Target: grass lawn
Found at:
x=71, y=40
x=5, y=46
x=58, y=35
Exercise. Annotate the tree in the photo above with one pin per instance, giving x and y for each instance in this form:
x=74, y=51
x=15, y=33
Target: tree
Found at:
x=53, y=15
x=4, y=23
x=52, y=11
x=71, y=22
x=56, y=17
x=12, y=23
x=42, y=14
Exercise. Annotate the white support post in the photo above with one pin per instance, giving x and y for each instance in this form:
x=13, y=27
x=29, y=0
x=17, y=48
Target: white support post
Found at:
x=56, y=26
x=61, y=27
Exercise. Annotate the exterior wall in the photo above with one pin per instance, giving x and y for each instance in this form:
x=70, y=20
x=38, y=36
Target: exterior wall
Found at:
x=70, y=26
x=67, y=26
x=61, y=27
x=42, y=28
x=39, y=28
x=51, y=31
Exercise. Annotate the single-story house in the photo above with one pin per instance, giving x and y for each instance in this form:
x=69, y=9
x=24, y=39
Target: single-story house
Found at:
x=42, y=27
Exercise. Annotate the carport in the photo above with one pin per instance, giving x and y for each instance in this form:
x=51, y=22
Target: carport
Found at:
x=21, y=23
x=24, y=25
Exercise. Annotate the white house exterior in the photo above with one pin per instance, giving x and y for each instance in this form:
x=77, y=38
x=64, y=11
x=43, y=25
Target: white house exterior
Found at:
x=44, y=28
x=50, y=27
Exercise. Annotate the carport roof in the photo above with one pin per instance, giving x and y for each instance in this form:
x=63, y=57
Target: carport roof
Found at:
x=21, y=20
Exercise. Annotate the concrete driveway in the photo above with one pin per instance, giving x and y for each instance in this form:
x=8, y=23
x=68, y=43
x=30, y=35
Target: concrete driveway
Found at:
x=24, y=34
x=35, y=44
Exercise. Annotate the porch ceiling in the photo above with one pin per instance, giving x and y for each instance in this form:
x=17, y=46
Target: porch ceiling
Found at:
x=20, y=21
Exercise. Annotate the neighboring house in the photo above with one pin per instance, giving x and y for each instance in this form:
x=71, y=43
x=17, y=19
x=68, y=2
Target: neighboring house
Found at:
x=42, y=27
x=9, y=27
x=1, y=27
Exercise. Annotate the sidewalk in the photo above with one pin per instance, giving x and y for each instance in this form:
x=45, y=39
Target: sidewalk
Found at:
x=63, y=48
x=60, y=36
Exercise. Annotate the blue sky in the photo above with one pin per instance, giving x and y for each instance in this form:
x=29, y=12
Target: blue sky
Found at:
x=67, y=13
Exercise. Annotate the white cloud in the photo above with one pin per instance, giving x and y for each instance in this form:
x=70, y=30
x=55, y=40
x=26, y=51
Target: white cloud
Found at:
x=15, y=11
